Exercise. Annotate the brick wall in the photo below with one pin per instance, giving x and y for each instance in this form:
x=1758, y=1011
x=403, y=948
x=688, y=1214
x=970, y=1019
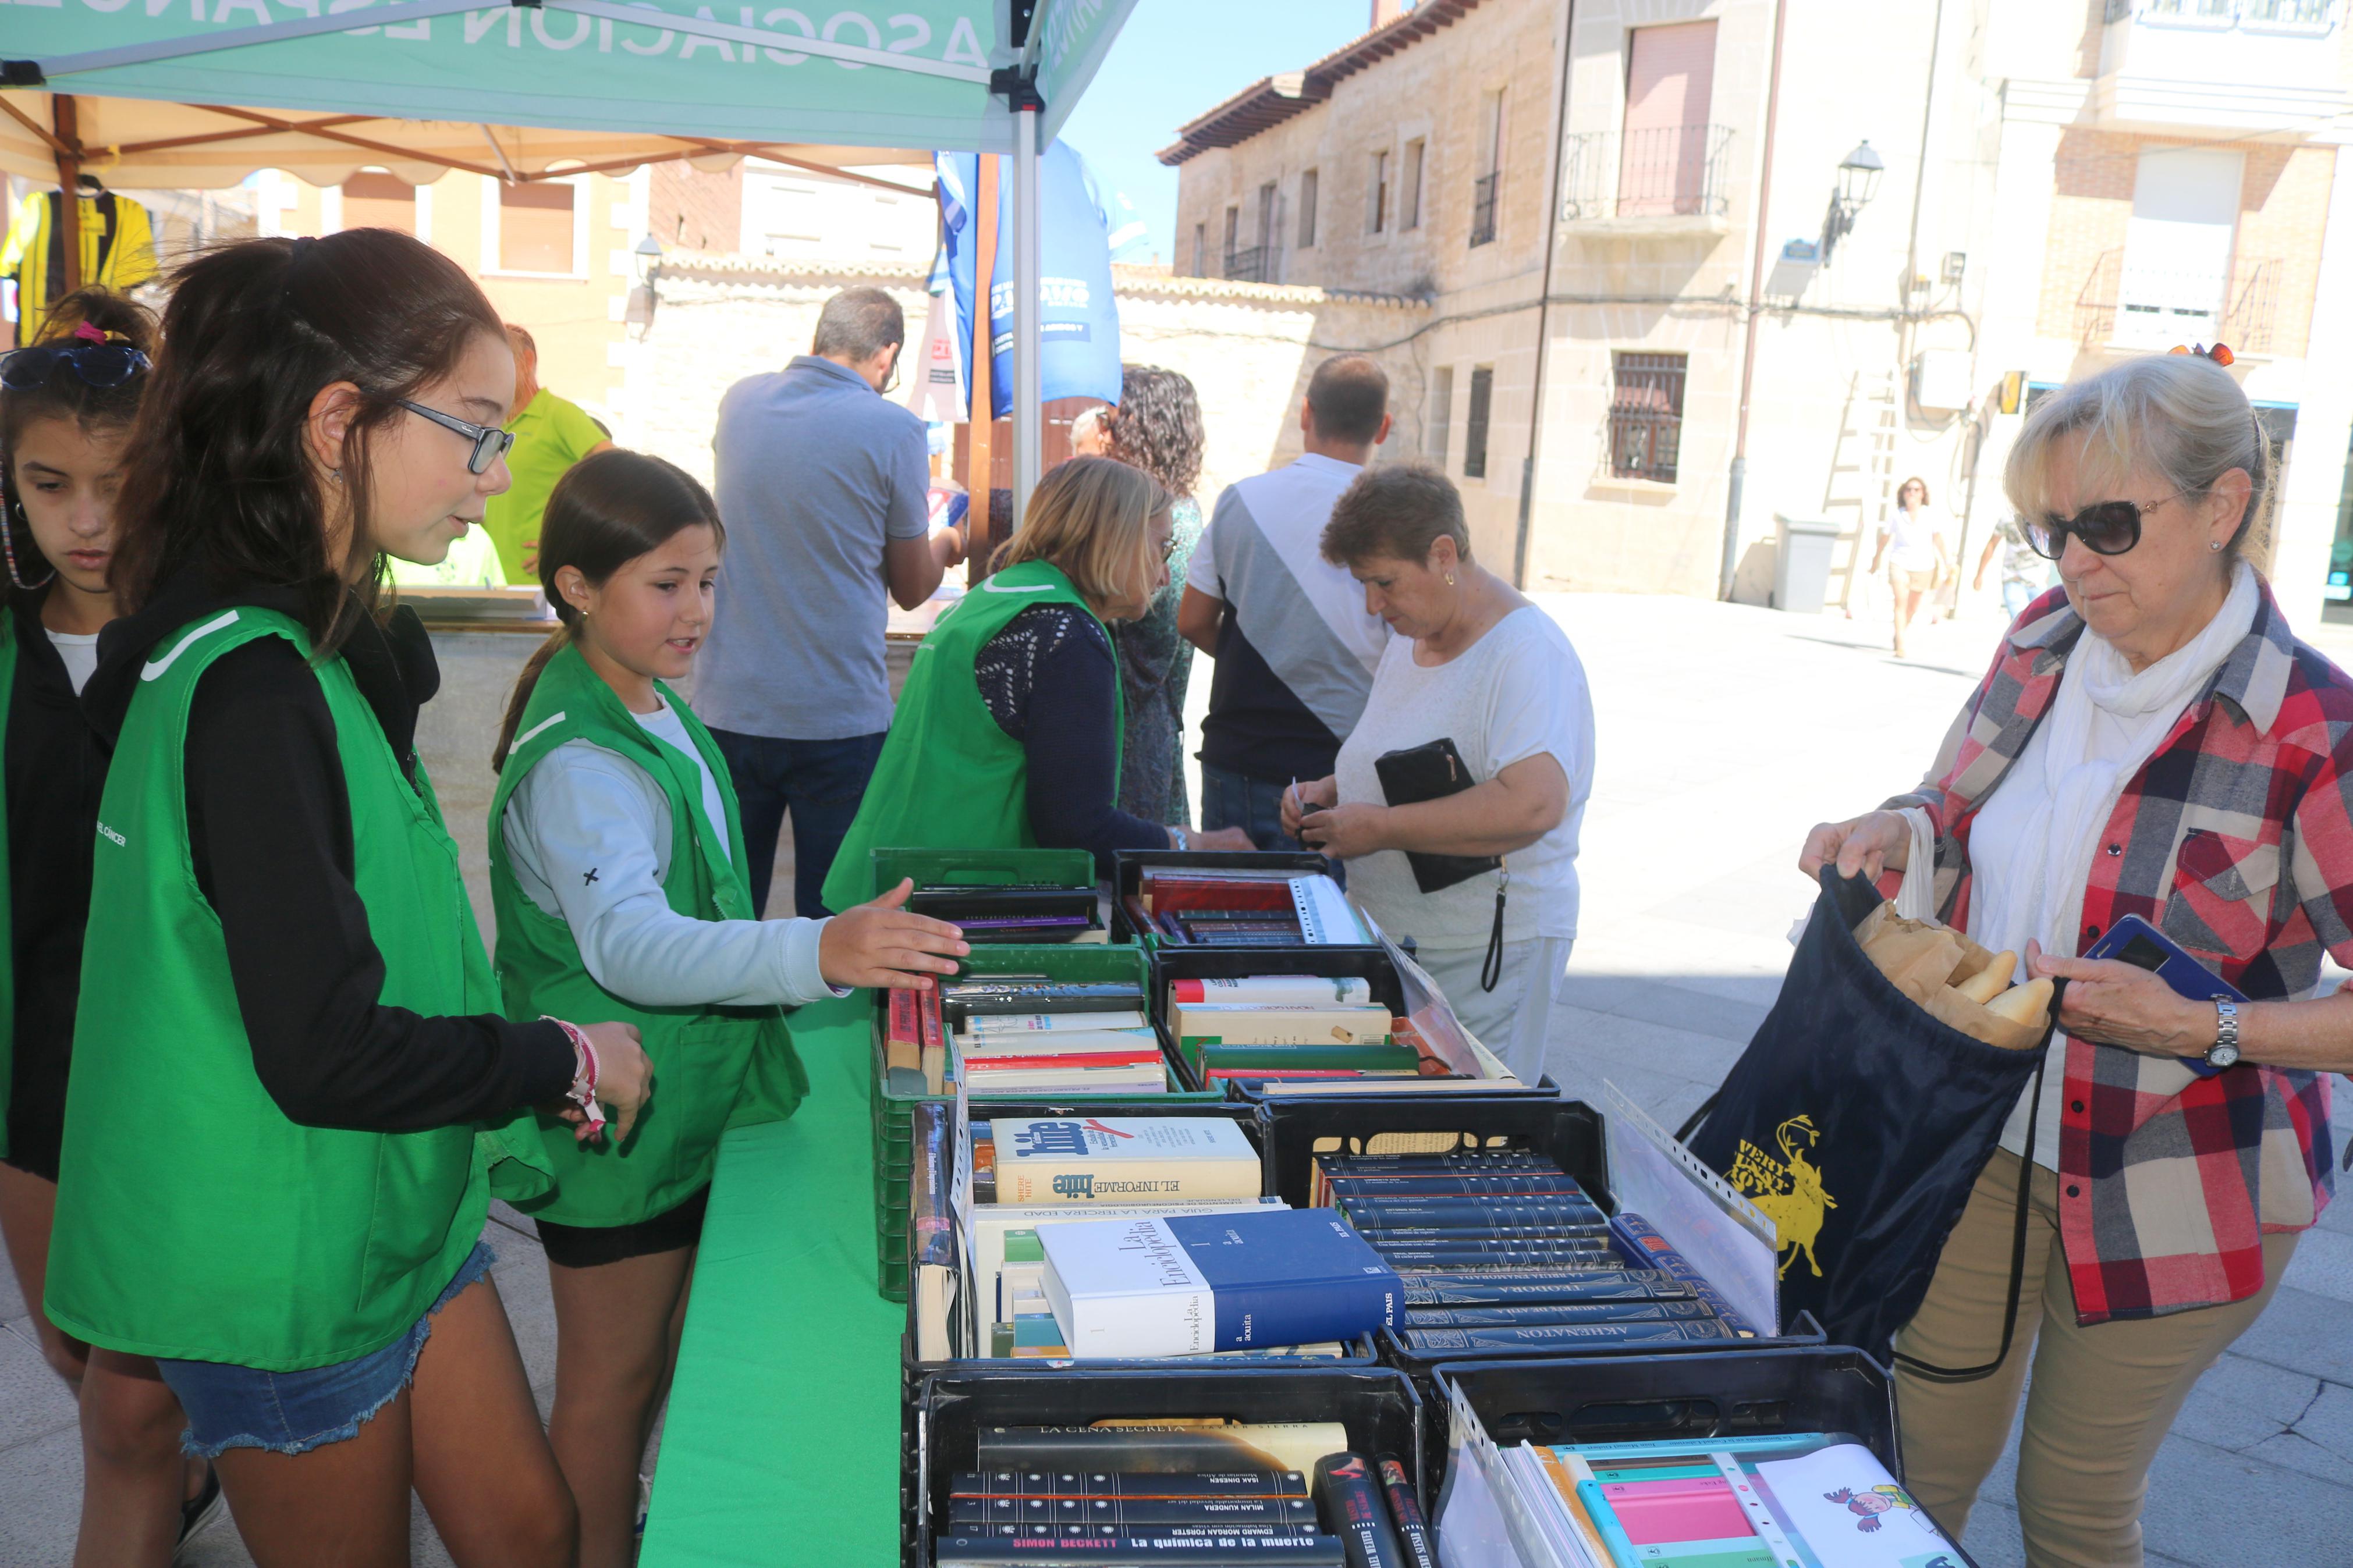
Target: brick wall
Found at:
x=692, y=210
x=2091, y=201
x=2282, y=212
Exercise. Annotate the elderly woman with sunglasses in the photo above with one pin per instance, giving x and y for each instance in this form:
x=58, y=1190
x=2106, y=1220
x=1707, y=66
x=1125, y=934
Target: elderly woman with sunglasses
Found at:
x=2153, y=741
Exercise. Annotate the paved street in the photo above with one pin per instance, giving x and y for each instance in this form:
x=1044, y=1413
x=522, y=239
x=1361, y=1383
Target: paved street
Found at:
x=1724, y=733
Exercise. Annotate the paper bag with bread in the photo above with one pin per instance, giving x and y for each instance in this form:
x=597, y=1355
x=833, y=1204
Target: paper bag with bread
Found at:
x=1956, y=981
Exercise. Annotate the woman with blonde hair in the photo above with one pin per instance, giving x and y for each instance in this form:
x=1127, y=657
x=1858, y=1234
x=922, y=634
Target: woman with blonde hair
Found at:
x=1007, y=732
x=2154, y=741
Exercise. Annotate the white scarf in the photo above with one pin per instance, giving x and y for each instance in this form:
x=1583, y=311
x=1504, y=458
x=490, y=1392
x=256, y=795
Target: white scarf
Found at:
x=2104, y=725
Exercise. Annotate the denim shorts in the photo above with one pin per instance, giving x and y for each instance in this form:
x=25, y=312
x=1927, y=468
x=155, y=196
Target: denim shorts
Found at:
x=295, y=1412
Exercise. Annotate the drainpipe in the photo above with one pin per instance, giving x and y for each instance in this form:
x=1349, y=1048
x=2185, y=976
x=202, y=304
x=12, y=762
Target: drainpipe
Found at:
x=1739, y=475
x=1544, y=315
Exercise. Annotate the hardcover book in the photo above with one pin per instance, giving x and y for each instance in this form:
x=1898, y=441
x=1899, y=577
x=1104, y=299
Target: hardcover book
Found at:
x=1122, y=1160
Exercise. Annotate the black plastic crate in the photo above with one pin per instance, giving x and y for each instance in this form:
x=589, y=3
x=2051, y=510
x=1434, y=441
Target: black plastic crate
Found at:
x=1623, y=1399
x=1378, y=1407
x=1293, y=1132
x=1127, y=878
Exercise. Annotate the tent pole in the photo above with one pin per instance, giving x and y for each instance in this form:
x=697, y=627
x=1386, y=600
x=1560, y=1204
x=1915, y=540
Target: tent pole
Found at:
x=1027, y=385
x=981, y=426
x=66, y=116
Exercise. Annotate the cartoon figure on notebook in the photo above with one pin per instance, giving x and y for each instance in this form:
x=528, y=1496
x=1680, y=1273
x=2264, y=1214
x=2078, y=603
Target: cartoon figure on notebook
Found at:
x=1871, y=1504
x=1787, y=1190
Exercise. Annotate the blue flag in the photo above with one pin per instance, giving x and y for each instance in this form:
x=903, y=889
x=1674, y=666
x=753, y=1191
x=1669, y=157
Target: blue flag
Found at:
x=1079, y=323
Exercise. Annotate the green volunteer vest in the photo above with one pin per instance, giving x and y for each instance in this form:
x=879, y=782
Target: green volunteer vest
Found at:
x=7, y=934
x=714, y=1066
x=195, y=1221
x=949, y=777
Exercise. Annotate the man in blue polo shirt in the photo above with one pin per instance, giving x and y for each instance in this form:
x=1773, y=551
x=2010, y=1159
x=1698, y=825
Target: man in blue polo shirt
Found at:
x=1294, y=647
x=824, y=486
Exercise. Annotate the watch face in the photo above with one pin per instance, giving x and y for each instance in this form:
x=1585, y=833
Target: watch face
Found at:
x=2223, y=1055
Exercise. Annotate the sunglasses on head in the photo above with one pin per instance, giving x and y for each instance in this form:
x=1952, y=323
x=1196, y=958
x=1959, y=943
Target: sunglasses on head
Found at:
x=102, y=365
x=2106, y=528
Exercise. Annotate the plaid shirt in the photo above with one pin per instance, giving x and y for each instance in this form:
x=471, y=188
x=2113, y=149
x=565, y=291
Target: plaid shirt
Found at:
x=2236, y=839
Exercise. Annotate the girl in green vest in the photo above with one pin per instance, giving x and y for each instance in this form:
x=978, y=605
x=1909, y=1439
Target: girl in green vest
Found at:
x=294, y=1091
x=617, y=867
x=66, y=410
x=1007, y=732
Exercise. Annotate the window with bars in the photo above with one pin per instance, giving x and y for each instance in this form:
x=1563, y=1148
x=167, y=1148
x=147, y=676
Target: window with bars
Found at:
x=1646, y=415
x=1474, y=427
x=1233, y=237
x=1377, y=198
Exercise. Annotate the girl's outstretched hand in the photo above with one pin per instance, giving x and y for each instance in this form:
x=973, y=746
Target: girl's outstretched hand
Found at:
x=880, y=945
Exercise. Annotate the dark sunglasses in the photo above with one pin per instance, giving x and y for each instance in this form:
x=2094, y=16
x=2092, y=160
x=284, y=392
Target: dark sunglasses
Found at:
x=2106, y=528
x=102, y=365
x=490, y=443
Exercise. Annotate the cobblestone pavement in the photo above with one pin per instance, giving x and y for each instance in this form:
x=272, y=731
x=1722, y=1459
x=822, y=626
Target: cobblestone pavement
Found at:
x=1725, y=732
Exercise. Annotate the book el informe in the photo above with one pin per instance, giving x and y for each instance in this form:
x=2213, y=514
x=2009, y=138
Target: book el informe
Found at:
x=1124, y=1160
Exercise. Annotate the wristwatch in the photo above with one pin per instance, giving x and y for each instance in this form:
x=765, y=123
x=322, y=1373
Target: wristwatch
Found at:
x=2225, y=1048
x=1184, y=840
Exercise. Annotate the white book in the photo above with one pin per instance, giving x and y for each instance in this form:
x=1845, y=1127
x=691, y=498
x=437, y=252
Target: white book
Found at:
x=1082, y=1159
x=1273, y=990
x=1071, y=1043
x=993, y=1222
x=991, y=1024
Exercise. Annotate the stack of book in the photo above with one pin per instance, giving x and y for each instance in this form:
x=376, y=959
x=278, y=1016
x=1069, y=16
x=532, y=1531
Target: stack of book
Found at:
x=1226, y=908
x=1212, y=1493
x=1033, y=1175
x=1729, y=1502
x=1290, y=1026
x=1501, y=1249
x=1026, y=912
x=1024, y=1034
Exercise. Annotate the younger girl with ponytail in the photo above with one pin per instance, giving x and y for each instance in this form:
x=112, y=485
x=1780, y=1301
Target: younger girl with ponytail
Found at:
x=618, y=874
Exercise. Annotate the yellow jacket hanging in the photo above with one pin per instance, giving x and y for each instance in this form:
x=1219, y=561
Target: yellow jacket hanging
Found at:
x=118, y=251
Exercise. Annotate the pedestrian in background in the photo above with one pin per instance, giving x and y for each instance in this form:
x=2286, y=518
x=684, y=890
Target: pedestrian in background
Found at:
x=1156, y=427
x=1475, y=665
x=1295, y=643
x=1912, y=543
x=2024, y=573
x=825, y=485
x=551, y=434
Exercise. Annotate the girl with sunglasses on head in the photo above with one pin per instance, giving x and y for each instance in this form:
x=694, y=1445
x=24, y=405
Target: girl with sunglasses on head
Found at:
x=2152, y=741
x=66, y=409
x=617, y=867
x=294, y=1091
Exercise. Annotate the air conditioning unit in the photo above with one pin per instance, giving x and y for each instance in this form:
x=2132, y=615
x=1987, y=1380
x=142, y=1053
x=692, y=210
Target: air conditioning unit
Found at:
x=1940, y=380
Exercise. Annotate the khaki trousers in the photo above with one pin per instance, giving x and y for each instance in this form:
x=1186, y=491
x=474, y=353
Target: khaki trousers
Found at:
x=2102, y=1400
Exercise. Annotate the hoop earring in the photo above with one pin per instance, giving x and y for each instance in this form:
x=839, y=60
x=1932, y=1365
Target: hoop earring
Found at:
x=1450, y=579
x=9, y=512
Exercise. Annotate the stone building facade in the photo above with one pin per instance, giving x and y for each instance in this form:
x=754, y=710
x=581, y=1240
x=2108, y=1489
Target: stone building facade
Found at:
x=2062, y=183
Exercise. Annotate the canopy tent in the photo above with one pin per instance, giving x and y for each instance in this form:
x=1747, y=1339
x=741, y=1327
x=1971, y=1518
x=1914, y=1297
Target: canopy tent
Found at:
x=150, y=96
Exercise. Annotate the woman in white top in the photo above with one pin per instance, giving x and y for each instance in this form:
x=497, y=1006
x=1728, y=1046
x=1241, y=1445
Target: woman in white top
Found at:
x=1912, y=543
x=1474, y=663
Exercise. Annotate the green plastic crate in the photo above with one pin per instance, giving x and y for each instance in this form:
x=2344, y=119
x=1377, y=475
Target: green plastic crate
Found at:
x=895, y=1134
x=980, y=867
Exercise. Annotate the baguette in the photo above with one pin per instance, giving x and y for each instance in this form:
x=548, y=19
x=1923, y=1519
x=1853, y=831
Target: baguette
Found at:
x=1991, y=981
x=2027, y=1004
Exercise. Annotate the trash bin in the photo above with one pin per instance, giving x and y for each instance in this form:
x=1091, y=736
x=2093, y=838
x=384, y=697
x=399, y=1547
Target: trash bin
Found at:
x=1801, y=565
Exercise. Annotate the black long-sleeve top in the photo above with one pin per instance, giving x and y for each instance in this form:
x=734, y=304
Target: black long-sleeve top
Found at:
x=270, y=831
x=1050, y=681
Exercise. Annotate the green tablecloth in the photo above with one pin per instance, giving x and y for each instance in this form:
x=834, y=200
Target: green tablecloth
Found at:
x=782, y=1441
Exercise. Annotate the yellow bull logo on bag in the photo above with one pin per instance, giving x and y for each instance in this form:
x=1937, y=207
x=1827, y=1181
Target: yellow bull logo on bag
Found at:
x=1787, y=1191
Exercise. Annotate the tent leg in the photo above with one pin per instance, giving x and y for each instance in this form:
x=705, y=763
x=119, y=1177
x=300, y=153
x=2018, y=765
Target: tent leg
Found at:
x=66, y=117
x=1028, y=426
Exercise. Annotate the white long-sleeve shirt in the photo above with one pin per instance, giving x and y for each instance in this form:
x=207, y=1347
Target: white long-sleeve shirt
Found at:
x=588, y=836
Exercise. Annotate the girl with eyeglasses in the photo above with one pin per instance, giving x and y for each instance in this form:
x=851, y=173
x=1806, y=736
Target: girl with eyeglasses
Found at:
x=66, y=409
x=294, y=1092
x=2152, y=741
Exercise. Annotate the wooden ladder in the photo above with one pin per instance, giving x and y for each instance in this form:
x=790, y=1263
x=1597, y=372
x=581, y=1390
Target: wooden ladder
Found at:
x=1860, y=484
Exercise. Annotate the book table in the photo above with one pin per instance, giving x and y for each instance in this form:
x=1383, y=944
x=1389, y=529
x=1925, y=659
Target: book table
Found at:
x=782, y=1440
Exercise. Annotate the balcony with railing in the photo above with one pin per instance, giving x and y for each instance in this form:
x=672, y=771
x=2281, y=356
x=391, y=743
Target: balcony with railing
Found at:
x=2176, y=65
x=1668, y=179
x=1258, y=264
x=2128, y=304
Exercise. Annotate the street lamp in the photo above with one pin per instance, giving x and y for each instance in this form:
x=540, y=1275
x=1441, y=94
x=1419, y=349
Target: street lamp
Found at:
x=646, y=264
x=1858, y=182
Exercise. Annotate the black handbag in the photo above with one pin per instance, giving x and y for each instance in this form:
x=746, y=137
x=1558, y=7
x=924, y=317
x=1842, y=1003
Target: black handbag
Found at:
x=1432, y=772
x=1859, y=1123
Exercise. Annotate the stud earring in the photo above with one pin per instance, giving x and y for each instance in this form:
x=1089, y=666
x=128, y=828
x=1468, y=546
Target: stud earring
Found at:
x=2213, y=544
x=1450, y=579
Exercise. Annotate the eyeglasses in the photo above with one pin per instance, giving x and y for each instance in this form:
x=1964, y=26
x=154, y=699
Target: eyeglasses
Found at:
x=102, y=365
x=2106, y=528
x=490, y=443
